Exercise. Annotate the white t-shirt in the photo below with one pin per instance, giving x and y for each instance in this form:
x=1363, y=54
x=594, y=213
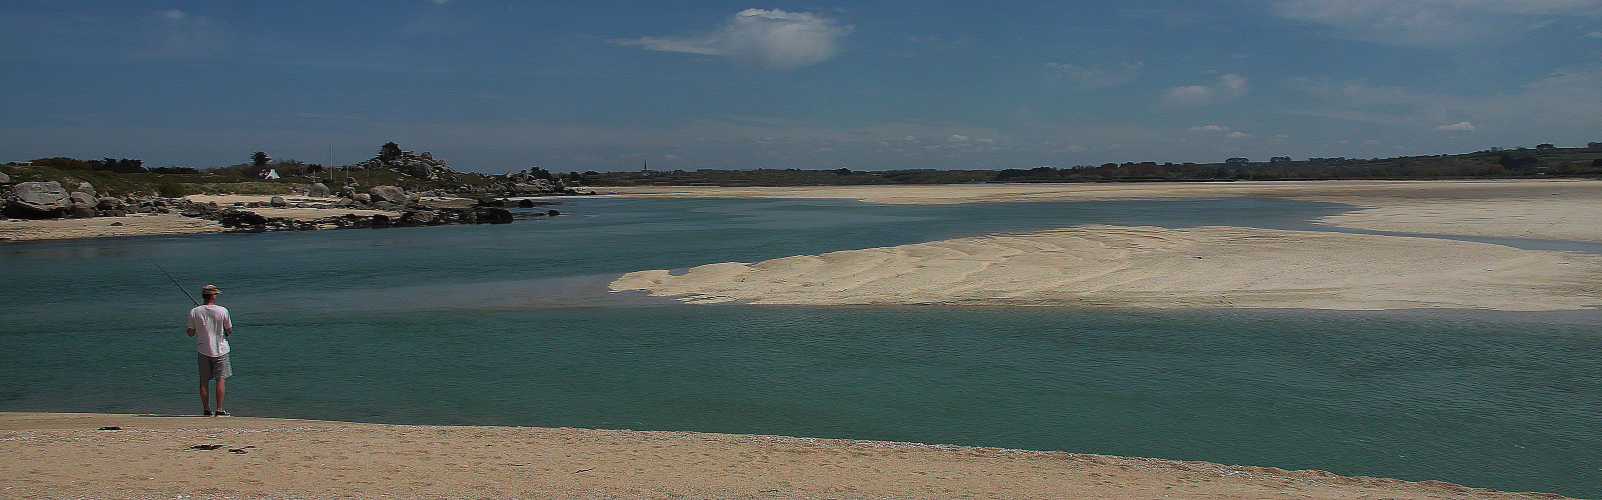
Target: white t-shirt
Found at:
x=209, y=323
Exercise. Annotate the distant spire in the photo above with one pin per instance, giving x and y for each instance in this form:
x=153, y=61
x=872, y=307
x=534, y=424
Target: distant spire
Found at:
x=645, y=166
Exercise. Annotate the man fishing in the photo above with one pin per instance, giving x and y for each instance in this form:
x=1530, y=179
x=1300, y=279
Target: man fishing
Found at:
x=210, y=325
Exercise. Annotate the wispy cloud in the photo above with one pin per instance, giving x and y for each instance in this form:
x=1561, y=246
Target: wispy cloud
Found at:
x=1210, y=128
x=1562, y=104
x=1229, y=87
x=179, y=34
x=1437, y=23
x=1089, y=78
x=768, y=39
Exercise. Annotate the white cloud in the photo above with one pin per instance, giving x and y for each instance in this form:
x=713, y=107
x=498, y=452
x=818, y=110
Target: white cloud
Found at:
x=768, y=39
x=1433, y=22
x=1459, y=126
x=957, y=138
x=1239, y=135
x=1211, y=128
x=1229, y=87
x=1089, y=78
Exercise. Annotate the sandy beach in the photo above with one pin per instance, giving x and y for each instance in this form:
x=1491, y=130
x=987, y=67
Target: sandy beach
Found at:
x=62, y=456
x=1553, y=209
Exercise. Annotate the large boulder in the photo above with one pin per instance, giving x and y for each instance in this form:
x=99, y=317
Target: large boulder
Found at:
x=318, y=190
x=85, y=187
x=418, y=169
x=83, y=204
x=390, y=194
x=84, y=198
x=4, y=179
x=278, y=202
x=44, y=197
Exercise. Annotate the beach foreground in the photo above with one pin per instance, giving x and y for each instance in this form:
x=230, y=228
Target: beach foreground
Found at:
x=66, y=455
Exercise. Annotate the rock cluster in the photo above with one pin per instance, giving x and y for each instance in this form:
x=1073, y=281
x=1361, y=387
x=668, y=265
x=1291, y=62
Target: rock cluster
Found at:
x=422, y=166
x=49, y=200
x=248, y=221
x=42, y=200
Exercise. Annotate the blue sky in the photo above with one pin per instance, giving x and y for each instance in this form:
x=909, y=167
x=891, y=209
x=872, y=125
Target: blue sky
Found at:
x=496, y=85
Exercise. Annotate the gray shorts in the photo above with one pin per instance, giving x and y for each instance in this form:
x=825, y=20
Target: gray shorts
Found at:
x=214, y=368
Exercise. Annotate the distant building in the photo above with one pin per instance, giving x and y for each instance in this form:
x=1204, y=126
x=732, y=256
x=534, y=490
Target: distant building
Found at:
x=270, y=174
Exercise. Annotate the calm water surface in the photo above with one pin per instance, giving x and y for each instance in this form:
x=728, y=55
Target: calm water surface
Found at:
x=511, y=325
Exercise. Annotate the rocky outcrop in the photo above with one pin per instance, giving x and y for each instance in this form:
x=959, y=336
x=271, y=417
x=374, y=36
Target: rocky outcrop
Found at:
x=246, y=221
x=38, y=200
x=83, y=204
x=390, y=194
x=421, y=166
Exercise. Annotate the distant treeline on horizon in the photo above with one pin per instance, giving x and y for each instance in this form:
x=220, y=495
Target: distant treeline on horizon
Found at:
x=1542, y=161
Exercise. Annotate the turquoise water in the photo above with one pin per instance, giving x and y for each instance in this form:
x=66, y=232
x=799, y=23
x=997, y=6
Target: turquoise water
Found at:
x=511, y=325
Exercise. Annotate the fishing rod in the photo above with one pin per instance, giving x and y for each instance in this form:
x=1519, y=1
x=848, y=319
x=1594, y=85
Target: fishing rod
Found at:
x=174, y=281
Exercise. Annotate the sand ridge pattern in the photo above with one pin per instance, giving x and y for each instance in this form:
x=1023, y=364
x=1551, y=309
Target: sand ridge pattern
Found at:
x=1143, y=266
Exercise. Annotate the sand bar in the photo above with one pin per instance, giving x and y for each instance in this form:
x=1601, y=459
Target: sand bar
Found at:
x=1113, y=266
x=1153, y=267
x=62, y=456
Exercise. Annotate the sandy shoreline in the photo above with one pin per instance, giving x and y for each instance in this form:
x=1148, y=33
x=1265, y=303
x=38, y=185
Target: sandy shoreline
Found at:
x=1552, y=209
x=59, y=456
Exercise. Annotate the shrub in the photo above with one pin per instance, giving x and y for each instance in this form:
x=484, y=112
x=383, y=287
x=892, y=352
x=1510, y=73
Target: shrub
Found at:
x=171, y=190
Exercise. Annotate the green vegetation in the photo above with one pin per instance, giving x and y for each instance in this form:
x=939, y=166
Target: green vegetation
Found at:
x=172, y=182
x=130, y=177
